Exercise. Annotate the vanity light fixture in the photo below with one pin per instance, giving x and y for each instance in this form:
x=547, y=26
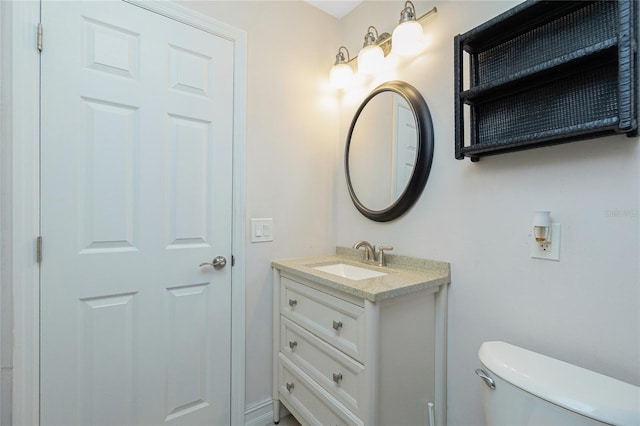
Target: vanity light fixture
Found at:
x=371, y=56
x=408, y=35
x=341, y=73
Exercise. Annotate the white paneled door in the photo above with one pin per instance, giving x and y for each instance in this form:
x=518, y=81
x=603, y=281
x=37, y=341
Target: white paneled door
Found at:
x=405, y=146
x=136, y=155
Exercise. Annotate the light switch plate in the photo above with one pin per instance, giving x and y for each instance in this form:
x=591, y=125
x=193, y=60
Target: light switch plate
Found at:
x=550, y=251
x=261, y=230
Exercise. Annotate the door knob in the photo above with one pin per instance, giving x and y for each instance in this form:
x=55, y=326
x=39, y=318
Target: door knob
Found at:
x=218, y=262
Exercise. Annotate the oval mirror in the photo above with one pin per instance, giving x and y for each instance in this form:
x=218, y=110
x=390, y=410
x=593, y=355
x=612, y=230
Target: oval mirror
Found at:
x=389, y=151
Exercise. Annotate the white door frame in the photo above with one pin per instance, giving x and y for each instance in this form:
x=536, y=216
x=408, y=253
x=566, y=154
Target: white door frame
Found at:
x=20, y=173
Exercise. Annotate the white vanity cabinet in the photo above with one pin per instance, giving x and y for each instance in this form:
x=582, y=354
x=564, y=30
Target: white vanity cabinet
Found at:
x=342, y=359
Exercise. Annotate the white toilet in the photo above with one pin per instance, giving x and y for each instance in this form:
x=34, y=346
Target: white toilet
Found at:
x=526, y=388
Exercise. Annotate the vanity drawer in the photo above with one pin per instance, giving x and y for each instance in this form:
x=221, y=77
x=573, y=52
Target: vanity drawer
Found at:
x=338, y=373
x=334, y=320
x=309, y=400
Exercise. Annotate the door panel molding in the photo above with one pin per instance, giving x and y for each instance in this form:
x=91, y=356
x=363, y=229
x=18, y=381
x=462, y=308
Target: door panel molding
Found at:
x=20, y=137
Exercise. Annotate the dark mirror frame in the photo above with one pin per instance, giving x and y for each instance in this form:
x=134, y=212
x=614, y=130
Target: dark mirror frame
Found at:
x=424, y=154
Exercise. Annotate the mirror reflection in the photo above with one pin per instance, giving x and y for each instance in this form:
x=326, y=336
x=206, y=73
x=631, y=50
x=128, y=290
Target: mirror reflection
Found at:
x=383, y=150
x=389, y=151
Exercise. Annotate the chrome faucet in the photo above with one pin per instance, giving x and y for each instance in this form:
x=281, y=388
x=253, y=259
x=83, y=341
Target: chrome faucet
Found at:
x=369, y=251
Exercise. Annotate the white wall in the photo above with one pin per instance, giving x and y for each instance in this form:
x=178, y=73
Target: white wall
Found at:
x=584, y=309
x=292, y=123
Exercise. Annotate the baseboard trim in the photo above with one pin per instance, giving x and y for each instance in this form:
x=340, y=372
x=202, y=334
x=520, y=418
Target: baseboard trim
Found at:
x=261, y=413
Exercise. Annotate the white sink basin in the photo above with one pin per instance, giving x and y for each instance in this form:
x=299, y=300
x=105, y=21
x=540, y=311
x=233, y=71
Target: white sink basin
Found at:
x=349, y=271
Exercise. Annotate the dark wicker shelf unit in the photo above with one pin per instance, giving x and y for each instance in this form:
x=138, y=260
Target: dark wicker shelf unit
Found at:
x=544, y=73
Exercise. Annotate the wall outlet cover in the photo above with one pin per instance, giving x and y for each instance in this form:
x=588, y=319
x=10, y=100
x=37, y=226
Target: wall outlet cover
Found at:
x=547, y=251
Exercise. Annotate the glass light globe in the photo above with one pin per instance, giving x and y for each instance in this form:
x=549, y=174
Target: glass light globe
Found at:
x=340, y=76
x=370, y=59
x=407, y=38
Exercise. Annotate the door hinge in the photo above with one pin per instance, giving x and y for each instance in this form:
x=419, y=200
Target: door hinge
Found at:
x=40, y=36
x=39, y=249
x=233, y=261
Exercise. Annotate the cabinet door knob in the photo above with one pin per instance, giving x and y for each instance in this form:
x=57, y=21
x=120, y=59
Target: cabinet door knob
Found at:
x=337, y=325
x=289, y=386
x=337, y=378
x=293, y=302
x=292, y=345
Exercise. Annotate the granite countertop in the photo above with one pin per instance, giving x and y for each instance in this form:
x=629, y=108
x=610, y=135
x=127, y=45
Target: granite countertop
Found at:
x=404, y=274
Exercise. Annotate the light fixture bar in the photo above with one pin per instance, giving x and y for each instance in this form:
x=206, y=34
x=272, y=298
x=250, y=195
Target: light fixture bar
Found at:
x=426, y=15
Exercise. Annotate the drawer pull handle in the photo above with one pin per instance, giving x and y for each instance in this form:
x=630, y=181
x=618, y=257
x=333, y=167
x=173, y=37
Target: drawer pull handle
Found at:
x=293, y=302
x=337, y=378
x=292, y=345
x=289, y=386
x=337, y=325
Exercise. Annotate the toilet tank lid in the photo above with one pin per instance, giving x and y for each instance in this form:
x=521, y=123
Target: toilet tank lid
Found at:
x=582, y=391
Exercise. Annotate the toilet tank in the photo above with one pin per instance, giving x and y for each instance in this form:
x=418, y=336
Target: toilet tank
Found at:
x=534, y=389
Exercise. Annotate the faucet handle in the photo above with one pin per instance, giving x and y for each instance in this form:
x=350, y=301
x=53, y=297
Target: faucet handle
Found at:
x=381, y=259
